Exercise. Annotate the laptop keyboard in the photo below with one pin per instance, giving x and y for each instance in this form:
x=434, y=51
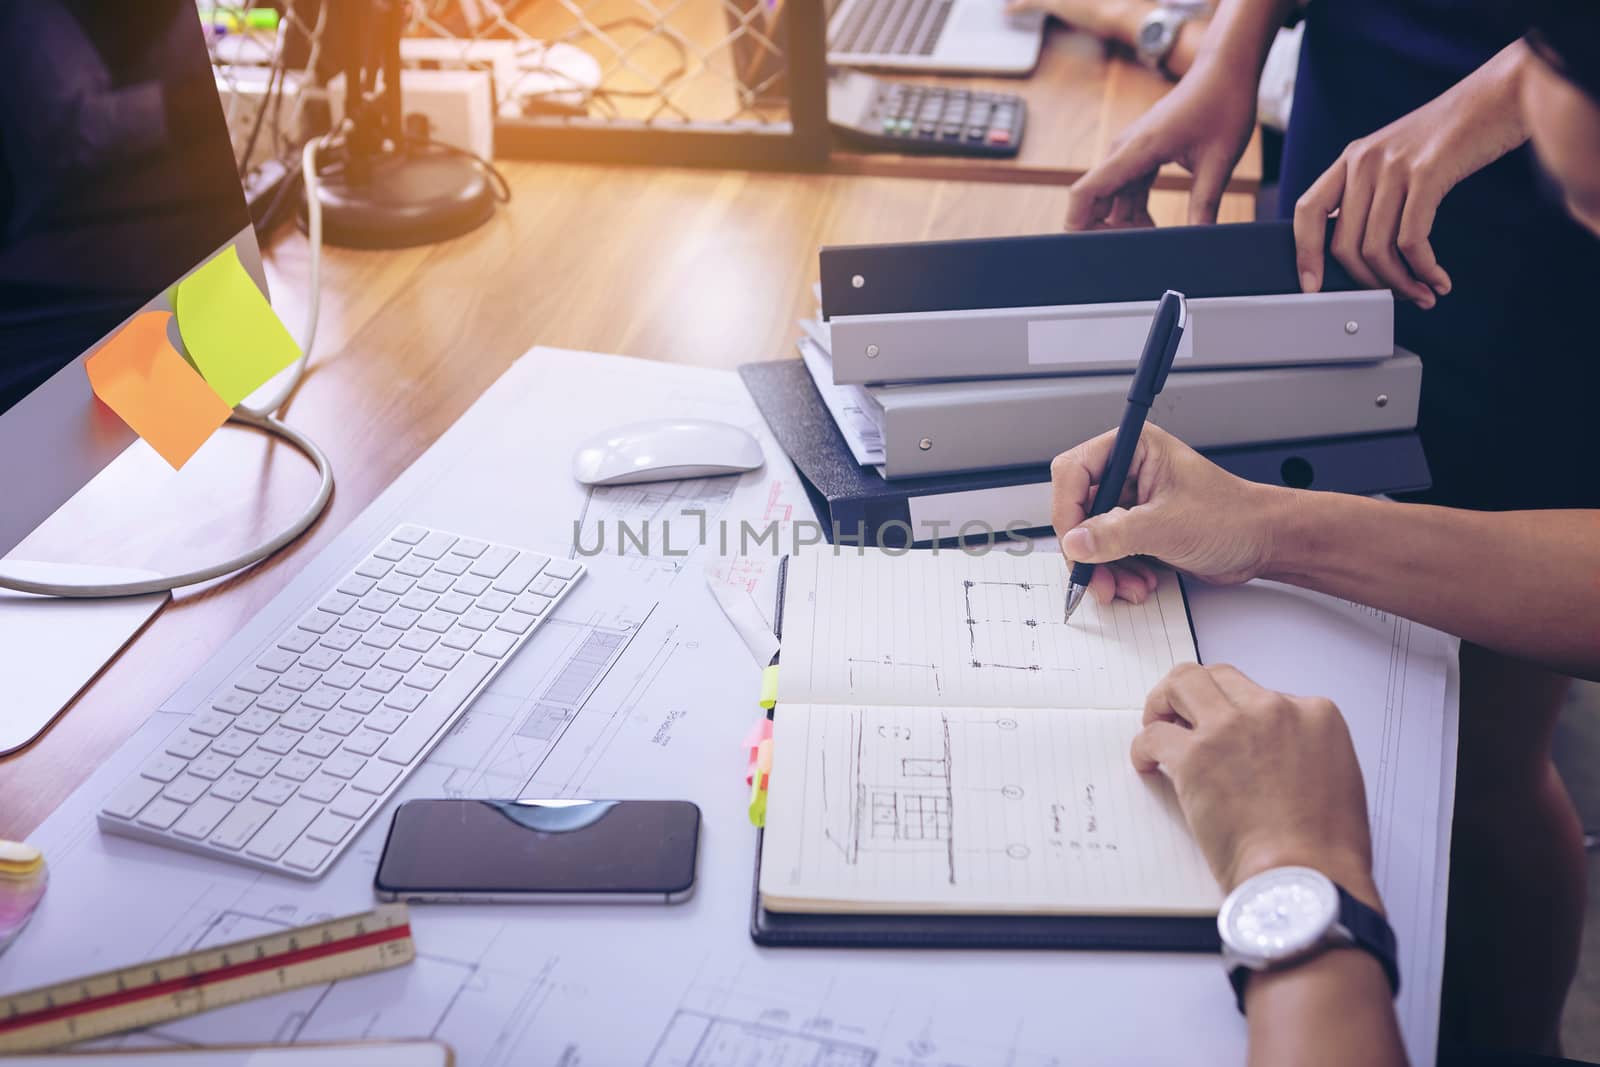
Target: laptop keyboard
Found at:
x=890, y=27
x=301, y=747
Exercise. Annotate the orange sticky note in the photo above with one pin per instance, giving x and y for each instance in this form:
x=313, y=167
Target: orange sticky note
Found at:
x=140, y=376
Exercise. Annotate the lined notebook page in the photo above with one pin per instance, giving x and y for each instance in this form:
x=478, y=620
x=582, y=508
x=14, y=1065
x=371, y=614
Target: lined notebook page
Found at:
x=988, y=810
x=952, y=629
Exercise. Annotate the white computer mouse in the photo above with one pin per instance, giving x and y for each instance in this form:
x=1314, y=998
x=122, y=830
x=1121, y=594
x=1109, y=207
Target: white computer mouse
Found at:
x=664, y=450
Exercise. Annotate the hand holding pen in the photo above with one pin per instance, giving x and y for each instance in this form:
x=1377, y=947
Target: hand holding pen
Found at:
x=1160, y=346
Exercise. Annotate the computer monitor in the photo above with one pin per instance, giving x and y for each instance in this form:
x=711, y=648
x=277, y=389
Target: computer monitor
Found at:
x=117, y=178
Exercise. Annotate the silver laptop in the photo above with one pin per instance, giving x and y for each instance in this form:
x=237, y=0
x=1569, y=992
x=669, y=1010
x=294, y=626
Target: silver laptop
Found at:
x=952, y=36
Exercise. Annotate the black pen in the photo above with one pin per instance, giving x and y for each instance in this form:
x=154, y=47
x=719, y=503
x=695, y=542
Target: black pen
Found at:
x=1166, y=330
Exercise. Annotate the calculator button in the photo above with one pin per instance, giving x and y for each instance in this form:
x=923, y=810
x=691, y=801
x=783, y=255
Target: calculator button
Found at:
x=1000, y=137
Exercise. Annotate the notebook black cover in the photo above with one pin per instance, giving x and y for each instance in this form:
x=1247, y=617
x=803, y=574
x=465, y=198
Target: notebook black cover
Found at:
x=810, y=930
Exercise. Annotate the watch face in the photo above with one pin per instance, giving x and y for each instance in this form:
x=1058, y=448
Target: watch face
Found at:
x=1152, y=34
x=1279, y=913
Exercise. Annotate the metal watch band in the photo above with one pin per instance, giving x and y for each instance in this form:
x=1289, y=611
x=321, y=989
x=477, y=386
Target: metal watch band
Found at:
x=1368, y=930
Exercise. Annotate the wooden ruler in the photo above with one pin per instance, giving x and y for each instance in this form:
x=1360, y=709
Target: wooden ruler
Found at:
x=150, y=993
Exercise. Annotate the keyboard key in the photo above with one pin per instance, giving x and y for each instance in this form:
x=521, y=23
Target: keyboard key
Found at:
x=381, y=679
x=343, y=676
x=321, y=697
x=495, y=643
x=418, y=600
x=278, y=699
x=364, y=742
x=273, y=839
x=279, y=740
x=405, y=698
x=374, y=568
x=434, y=583
x=470, y=549
x=319, y=744
x=414, y=567
x=319, y=622
x=402, y=618
x=255, y=764
x=382, y=637
x=453, y=565
x=210, y=723
x=319, y=659
x=187, y=744
x=409, y=741
x=330, y=828
x=397, y=584
x=565, y=569
x=161, y=813
x=357, y=585
x=409, y=534
x=532, y=603
x=460, y=639
x=393, y=551
x=436, y=622
x=321, y=788
x=297, y=640
x=494, y=561
x=361, y=701
x=425, y=678
x=132, y=796
x=210, y=765
x=495, y=601
x=455, y=603
x=186, y=789
x=233, y=742
x=472, y=585
x=344, y=765
x=274, y=790
x=374, y=778
x=360, y=619
x=433, y=546
x=419, y=640
x=162, y=768
x=341, y=639
x=276, y=660
x=364, y=656
x=351, y=804
x=255, y=681
x=300, y=720
x=515, y=578
x=254, y=721
x=515, y=622
x=550, y=587
x=386, y=720
x=306, y=855
x=202, y=817
x=299, y=678
x=400, y=659
x=379, y=602
x=232, y=786
x=298, y=767
x=440, y=659
x=477, y=619
x=337, y=603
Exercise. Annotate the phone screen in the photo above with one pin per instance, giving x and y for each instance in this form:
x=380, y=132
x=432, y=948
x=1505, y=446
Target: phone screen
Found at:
x=532, y=847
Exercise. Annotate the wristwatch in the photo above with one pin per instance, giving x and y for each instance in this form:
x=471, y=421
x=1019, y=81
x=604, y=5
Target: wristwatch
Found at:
x=1158, y=33
x=1285, y=915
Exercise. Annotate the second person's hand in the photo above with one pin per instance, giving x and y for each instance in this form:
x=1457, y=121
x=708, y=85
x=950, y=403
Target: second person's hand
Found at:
x=1177, y=507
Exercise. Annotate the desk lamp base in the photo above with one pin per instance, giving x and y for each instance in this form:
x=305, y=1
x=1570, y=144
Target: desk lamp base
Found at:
x=398, y=200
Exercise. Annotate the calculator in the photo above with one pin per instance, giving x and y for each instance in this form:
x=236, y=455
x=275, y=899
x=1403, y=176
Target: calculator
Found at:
x=903, y=117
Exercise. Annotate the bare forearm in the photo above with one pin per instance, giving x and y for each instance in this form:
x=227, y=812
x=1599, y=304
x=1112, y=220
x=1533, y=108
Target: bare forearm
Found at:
x=1525, y=583
x=1334, y=1009
x=1239, y=34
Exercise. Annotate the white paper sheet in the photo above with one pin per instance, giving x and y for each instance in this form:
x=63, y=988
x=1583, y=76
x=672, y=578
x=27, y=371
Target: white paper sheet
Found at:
x=640, y=688
x=848, y=404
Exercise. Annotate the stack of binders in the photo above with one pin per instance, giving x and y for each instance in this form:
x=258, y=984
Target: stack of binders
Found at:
x=940, y=378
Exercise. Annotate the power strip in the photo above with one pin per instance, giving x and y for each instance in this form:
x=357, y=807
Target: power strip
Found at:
x=458, y=104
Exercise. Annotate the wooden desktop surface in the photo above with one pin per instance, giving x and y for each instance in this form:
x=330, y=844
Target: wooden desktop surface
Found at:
x=701, y=267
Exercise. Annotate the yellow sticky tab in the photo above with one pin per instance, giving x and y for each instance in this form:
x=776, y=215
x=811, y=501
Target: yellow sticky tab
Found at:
x=769, y=686
x=139, y=375
x=758, y=803
x=234, y=337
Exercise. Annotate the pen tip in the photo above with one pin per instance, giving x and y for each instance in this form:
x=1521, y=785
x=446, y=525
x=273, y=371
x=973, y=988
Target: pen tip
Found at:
x=1074, y=598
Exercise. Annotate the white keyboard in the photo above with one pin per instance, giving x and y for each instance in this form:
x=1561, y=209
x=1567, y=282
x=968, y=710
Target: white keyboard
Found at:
x=292, y=756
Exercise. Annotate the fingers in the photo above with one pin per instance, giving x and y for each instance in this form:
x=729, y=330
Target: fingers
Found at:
x=1311, y=213
x=1379, y=243
x=1160, y=745
x=1189, y=692
x=1119, y=533
x=1103, y=585
x=1416, y=222
x=1205, y=195
x=1090, y=200
x=1235, y=685
x=1072, y=474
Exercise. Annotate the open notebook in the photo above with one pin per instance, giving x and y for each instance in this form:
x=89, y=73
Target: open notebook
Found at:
x=943, y=743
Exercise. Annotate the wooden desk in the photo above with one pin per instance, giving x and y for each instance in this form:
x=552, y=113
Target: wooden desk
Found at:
x=701, y=267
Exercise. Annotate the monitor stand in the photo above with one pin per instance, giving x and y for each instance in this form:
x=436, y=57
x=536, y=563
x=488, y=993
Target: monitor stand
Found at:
x=51, y=648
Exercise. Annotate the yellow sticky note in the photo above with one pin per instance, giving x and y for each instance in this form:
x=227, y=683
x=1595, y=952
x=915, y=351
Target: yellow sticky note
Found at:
x=769, y=686
x=140, y=376
x=758, y=804
x=234, y=337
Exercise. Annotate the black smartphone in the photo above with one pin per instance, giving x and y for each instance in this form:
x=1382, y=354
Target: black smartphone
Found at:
x=541, y=851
